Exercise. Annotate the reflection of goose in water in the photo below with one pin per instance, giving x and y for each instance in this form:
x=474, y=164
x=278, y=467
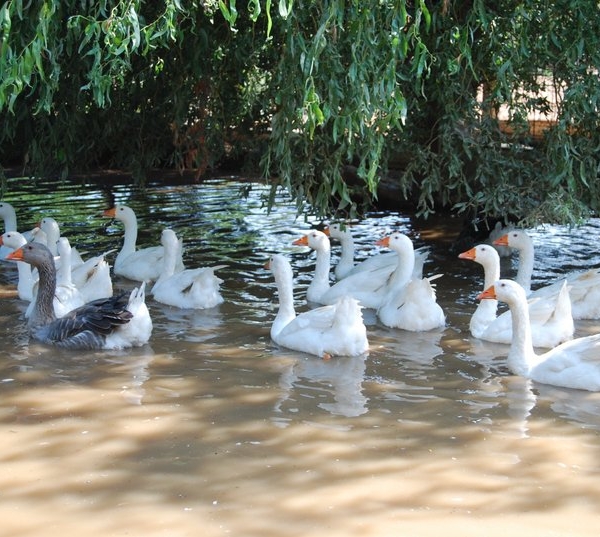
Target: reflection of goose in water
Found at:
x=521, y=397
x=419, y=347
x=342, y=378
x=520, y=400
x=486, y=353
x=499, y=404
x=120, y=372
x=516, y=391
x=578, y=406
x=193, y=325
x=136, y=369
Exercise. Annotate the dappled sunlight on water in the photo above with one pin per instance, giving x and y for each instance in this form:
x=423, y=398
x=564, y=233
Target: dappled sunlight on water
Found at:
x=212, y=430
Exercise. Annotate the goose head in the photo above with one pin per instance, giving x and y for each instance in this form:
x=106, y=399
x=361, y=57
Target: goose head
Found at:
x=7, y=211
x=120, y=212
x=482, y=254
x=63, y=246
x=279, y=266
x=12, y=239
x=396, y=241
x=515, y=239
x=169, y=239
x=317, y=240
x=49, y=228
x=34, y=253
x=335, y=231
x=506, y=291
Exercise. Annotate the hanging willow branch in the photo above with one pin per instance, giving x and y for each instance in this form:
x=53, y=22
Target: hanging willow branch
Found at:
x=327, y=99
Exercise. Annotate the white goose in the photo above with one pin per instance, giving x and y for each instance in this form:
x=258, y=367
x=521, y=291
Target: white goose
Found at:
x=346, y=267
x=190, y=288
x=573, y=364
x=66, y=296
x=12, y=240
x=498, y=231
x=409, y=303
x=550, y=315
x=51, y=234
x=111, y=323
x=584, y=286
x=368, y=286
x=91, y=278
x=144, y=264
x=9, y=215
x=64, y=278
x=336, y=330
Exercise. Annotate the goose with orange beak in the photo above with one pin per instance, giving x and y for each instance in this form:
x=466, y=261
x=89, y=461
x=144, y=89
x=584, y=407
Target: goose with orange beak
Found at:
x=573, y=364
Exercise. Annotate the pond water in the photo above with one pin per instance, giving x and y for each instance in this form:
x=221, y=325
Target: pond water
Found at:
x=212, y=430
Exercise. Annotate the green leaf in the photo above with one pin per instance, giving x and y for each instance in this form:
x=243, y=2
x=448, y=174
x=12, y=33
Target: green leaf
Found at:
x=229, y=11
x=5, y=22
x=426, y=14
x=254, y=9
x=285, y=8
x=134, y=21
x=269, y=19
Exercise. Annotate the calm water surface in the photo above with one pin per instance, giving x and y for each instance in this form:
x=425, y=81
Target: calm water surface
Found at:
x=212, y=430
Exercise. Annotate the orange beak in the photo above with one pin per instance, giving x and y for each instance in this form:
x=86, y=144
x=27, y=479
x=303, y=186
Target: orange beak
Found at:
x=1, y=240
x=490, y=292
x=469, y=254
x=17, y=255
x=326, y=231
x=502, y=241
x=267, y=265
x=110, y=213
x=383, y=242
x=302, y=241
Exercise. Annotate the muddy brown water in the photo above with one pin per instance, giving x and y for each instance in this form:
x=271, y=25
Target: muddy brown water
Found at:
x=212, y=430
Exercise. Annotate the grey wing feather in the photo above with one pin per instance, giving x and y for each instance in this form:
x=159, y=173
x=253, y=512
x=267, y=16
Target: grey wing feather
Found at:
x=86, y=327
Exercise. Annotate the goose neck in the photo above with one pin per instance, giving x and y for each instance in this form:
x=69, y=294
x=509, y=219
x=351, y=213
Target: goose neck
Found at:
x=525, y=270
x=491, y=273
x=521, y=355
x=403, y=272
x=322, y=265
x=130, y=236
x=10, y=221
x=286, y=311
x=25, y=283
x=43, y=310
x=347, y=253
x=169, y=260
x=63, y=276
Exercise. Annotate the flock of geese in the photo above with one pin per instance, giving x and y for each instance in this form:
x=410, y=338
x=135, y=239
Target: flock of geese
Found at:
x=72, y=305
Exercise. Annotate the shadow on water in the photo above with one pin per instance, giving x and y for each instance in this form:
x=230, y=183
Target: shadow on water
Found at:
x=212, y=429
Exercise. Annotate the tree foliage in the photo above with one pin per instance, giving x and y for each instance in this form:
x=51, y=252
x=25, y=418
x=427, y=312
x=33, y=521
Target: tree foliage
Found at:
x=519, y=54
x=408, y=89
